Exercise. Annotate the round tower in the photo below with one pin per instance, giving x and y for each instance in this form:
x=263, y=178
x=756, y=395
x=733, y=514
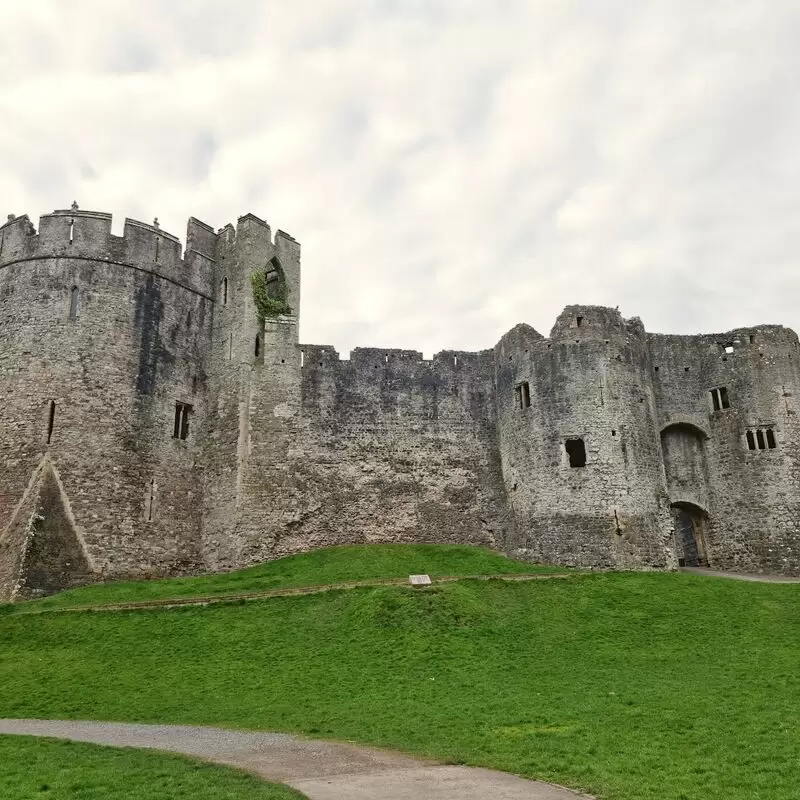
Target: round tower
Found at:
x=103, y=343
x=579, y=444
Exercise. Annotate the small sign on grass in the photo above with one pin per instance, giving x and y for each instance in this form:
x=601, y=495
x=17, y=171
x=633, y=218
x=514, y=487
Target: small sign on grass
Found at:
x=419, y=580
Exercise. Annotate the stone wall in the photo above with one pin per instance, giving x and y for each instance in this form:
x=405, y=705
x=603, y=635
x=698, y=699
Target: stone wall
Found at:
x=587, y=383
x=749, y=497
x=99, y=338
x=582, y=448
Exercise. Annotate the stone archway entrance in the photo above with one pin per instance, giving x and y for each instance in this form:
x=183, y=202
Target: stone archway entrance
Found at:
x=690, y=544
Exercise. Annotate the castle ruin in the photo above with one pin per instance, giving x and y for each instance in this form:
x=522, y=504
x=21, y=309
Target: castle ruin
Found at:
x=160, y=417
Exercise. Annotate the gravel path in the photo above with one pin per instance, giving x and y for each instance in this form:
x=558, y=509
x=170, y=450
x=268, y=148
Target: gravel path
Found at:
x=740, y=576
x=320, y=770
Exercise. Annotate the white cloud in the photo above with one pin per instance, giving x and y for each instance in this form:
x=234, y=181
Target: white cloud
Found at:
x=451, y=168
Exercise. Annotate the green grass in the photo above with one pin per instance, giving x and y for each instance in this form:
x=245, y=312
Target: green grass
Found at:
x=35, y=769
x=632, y=686
x=320, y=567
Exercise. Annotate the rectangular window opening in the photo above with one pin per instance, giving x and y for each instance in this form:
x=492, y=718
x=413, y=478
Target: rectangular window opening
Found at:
x=180, y=429
x=751, y=441
x=522, y=395
x=578, y=321
x=771, y=439
x=719, y=398
x=576, y=451
x=760, y=439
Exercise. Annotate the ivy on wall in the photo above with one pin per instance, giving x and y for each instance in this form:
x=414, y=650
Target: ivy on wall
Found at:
x=270, y=292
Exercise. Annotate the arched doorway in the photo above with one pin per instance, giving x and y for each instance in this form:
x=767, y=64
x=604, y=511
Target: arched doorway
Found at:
x=690, y=539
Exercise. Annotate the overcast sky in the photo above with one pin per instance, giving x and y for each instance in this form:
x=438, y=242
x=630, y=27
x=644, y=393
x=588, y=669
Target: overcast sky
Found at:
x=450, y=167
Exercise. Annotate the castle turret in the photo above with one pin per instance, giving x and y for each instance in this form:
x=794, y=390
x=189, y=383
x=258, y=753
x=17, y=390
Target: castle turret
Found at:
x=103, y=340
x=580, y=451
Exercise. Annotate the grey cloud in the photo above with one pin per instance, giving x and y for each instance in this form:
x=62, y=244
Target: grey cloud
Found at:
x=451, y=169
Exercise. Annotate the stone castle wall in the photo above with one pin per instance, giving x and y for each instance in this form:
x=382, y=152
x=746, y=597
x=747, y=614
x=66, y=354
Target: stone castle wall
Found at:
x=598, y=446
x=99, y=338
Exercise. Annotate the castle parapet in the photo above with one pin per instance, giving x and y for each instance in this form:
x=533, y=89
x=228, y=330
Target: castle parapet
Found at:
x=71, y=233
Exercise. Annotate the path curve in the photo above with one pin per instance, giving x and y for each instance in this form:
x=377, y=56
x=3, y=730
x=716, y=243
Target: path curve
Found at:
x=320, y=770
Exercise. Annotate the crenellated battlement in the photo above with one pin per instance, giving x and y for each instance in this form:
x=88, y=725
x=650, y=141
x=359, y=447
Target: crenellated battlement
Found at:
x=72, y=233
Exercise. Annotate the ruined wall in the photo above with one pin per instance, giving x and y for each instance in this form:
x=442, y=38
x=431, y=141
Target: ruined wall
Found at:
x=588, y=382
x=105, y=334
x=749, y=496
x=573, y=449
x=252, y=438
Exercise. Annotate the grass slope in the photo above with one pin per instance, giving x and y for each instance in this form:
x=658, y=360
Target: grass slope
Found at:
x=320, y=567
x=632, y=686
x=32, y=769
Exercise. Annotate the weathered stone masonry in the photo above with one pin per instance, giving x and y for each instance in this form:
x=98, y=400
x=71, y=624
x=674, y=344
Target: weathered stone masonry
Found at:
x=153, y=424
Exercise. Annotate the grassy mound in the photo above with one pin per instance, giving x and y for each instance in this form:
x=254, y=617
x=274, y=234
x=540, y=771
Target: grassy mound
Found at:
x=61, y=770
x=629, y=685
x=320, y=567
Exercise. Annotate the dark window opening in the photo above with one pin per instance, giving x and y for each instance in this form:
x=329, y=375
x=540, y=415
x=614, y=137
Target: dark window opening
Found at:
x=576, y=450
x=761, y=439
x=752, y=338
x=151, y=499
x=51, y=420
x=686, y=369
x=194, y=383
x=224, y=291
x=719, y=399
x=158, y=244
x=579, y=321
x=522, y=394
x=73, y=303
x=180, y=429
x=655, y=369
x=258, y=346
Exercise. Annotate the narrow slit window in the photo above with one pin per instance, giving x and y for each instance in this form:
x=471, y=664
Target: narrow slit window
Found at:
x=51, y=418
x=576, y=452
x=73, y=303
x=224, y=291
x=71, y=231
x=771, y=439
x=180, y=428
x=751, y=441
x=151, y=498
x=522, y=395
x=158, y=244
x=258, y=346
x=302, y=357
x=760, y=439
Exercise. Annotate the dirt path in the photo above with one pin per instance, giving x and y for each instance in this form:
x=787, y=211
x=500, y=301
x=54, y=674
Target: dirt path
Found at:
x=320, y=770
x=173, y=602
x=740, y=576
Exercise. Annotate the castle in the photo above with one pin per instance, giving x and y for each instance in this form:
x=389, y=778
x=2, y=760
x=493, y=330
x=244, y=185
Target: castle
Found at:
x=160, y=417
